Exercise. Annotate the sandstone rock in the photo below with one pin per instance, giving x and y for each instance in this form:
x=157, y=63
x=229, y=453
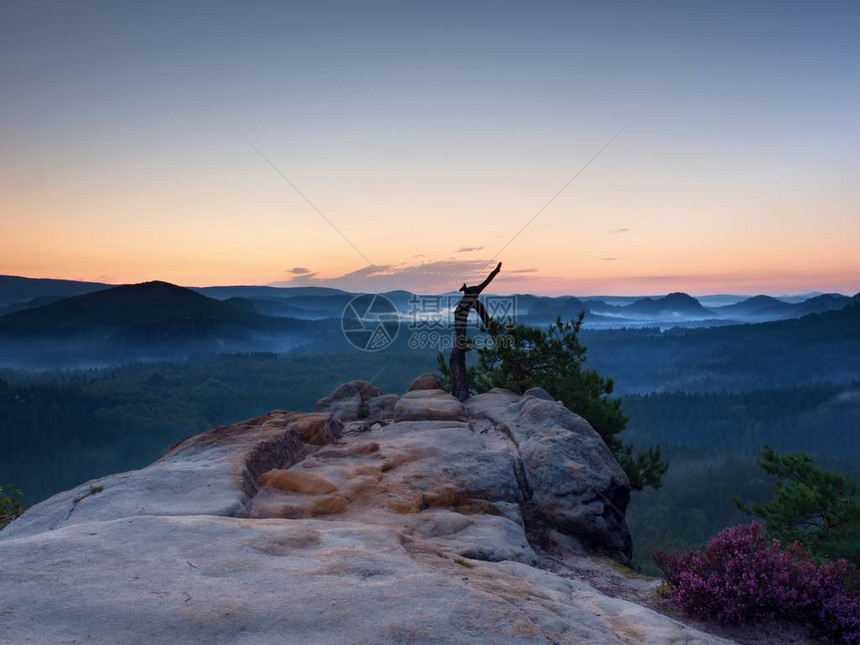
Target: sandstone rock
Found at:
x=538, y=393
x=291, y=528
x=318, y=429
x=349, y=401
x=206, y=579
x=573, y=478
x=426, y=381
x=382, y=407
x=297, y=482
x=428, y=405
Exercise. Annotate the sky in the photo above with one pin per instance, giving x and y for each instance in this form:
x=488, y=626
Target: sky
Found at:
x=593, y=148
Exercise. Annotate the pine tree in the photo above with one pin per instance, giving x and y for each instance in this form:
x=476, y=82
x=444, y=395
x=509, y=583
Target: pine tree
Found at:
x=816, y=507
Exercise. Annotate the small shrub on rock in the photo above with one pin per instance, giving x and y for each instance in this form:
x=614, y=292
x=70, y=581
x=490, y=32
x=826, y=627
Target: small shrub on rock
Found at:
x=743, y=577
x=11, y=504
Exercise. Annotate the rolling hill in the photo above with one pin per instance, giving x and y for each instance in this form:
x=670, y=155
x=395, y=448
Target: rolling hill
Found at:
x=762, y=307
x=753, y=306
x=18, y=290
x=673, y=304
x=150, y=321
x=118, y=307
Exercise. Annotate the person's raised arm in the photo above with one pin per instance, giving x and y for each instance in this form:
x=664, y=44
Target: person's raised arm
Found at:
x=490, y=277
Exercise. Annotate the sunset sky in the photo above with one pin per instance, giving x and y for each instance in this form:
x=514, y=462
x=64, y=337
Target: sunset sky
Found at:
x=429, y=134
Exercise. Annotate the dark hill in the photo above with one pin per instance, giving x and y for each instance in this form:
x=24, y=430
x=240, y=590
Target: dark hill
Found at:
x=752, y=306
x=603, y=307
x=28, y=304
x=332, y=305
x=676, y=303
x=283, y=308
x=814, y=305
x=823, y=303
x=15, y=289
x=567, y=308
x=118, y=307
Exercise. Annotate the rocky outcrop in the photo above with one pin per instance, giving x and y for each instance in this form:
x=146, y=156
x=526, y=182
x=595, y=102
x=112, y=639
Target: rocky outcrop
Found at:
x=429, y=405
x=418, y=520
x=575, y=484
x=350, y=401
x=427, y=381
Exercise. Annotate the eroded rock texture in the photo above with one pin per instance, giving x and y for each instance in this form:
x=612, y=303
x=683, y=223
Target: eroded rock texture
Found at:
x=376, y=519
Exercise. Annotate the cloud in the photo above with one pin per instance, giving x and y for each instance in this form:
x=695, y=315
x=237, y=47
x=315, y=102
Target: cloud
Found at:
x=438, y=276
x=469, y=249
x=524, y=279
x=610, y=259
x=619, y=230
x=299, y=270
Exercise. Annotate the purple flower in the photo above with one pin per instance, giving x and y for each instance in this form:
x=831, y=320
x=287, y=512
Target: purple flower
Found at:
x=742, y=577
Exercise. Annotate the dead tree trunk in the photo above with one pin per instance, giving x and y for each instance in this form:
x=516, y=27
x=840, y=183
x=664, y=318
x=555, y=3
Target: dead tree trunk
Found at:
x=457, y=359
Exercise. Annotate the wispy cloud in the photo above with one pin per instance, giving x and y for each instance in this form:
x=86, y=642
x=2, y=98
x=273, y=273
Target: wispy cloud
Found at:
x=619, y=230
x=427, y=277
x=298, y=270
x=610, y=259
x=469, y=249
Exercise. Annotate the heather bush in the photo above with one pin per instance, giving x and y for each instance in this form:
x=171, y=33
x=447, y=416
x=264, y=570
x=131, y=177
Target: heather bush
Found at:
x=744, y=577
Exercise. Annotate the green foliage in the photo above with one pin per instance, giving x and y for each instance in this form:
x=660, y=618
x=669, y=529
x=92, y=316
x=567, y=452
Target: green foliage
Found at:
x=523, y=357
x=816, y=507
x=445, y=373
x=11, y=504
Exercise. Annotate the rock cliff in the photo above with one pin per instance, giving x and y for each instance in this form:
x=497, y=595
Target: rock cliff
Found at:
x=374, y=519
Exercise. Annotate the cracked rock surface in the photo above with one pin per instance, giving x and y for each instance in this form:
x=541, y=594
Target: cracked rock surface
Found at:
x=375, y=519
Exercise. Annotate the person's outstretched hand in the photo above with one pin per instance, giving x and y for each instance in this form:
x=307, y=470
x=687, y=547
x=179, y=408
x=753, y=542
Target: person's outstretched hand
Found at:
x=499, y=266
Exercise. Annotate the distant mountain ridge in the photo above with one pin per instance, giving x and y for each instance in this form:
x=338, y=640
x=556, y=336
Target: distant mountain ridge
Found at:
x=316, y=303
x=815, y=347
x=769, y=308
x=252, y=291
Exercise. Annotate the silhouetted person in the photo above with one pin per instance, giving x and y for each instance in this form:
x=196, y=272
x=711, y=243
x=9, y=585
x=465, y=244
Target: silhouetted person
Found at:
x=469, y=301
